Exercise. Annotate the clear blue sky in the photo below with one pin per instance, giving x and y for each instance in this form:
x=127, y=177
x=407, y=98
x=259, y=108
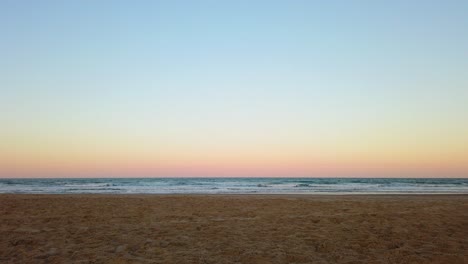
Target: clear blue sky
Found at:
x=178, y=80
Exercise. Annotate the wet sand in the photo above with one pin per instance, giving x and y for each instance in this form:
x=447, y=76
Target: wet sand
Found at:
x=233, y=229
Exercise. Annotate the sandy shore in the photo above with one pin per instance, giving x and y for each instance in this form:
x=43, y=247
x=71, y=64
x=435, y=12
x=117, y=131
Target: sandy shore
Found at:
x=233, y=229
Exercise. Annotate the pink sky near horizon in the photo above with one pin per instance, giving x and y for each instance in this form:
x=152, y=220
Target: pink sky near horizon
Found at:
x=229, y=168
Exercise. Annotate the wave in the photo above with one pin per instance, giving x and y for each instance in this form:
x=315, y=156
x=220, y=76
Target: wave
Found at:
x=234, y=185
x=302, y=185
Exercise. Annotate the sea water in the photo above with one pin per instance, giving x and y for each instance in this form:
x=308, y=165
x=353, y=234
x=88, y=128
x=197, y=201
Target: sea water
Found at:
x=236, y=186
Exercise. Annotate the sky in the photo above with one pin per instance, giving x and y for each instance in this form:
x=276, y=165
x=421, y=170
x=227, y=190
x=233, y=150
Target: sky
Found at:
x=233, y=88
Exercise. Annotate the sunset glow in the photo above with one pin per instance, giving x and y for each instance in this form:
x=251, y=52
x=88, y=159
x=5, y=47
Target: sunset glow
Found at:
x=233, y=89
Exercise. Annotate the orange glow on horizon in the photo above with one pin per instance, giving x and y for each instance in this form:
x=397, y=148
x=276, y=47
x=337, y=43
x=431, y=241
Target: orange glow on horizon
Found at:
x=222, y=167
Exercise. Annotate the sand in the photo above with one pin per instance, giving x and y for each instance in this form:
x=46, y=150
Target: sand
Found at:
x=233, y=229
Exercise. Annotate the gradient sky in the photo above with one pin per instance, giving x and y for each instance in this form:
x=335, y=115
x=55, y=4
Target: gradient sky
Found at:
x=233, y=88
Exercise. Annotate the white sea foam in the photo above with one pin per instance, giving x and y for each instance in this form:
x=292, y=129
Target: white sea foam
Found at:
x=235, y=185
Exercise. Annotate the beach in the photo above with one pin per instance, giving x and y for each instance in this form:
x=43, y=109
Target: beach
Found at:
x=102, y=228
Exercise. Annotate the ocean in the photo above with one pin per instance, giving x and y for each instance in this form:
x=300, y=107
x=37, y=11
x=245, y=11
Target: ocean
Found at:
x=236, y=186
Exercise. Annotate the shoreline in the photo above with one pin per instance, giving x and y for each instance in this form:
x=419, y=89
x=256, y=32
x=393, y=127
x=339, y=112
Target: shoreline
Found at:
x=238, y=186
x=244, y=194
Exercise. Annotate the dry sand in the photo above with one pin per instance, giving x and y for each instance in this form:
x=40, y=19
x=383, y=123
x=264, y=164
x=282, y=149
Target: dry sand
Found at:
x=233, y=229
